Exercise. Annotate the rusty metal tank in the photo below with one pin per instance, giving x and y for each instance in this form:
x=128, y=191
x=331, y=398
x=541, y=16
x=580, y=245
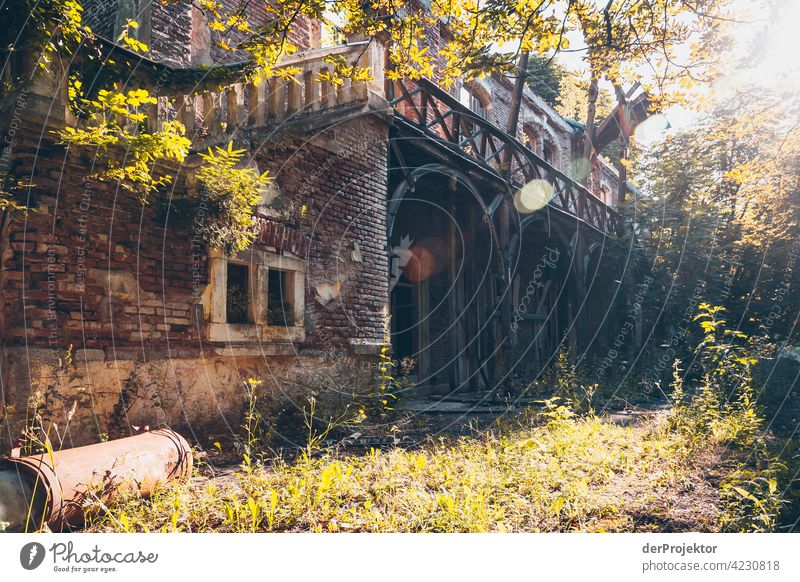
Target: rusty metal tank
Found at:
x=54, y=489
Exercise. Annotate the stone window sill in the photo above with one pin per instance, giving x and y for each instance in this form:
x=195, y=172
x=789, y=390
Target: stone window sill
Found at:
x=254, y=333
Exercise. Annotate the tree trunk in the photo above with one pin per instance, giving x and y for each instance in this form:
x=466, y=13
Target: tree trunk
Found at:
x=622, y=169
x=516, y=99
x=591, y=111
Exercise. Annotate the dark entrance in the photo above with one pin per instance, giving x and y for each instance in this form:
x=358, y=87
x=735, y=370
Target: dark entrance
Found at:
x=443, y=283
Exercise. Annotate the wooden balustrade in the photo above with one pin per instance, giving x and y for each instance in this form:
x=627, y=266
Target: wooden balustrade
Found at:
x=426, y=108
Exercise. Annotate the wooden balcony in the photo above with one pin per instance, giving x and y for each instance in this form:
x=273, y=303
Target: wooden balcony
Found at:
x=428, y=110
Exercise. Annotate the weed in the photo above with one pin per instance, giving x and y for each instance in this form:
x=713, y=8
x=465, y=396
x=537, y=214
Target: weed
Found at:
x=562, y=475
x=252, y=425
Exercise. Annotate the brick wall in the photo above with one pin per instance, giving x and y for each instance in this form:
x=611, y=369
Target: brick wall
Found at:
x=256, y=16
x=98, y=296
x=341, y=176
x=91, y=265
x=171, y=36
x=538, y=124
x=101, y=16
x=165, y=27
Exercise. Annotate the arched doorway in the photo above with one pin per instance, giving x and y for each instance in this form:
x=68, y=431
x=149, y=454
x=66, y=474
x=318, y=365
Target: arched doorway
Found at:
x=443, y=280
x=545, y=294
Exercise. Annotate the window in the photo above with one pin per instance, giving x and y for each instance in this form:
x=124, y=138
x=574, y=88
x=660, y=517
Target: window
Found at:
x=547, y=154
x=237, y=295
x=529, y=137
x=255, y=297
x=605, y=194
x=470, y=99
x=280, y=303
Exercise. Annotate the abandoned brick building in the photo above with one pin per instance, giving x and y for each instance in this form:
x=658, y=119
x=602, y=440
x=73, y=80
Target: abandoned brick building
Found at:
x=396, y=213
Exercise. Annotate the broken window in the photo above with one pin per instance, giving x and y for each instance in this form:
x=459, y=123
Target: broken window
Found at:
x=255, y=297
x=472, y=101
x=547, y=154
x=605, y=194
x=237, y=308
x=280, y=300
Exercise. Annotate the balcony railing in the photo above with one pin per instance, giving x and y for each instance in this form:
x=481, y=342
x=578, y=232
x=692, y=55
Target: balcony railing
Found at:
x=281, y=237
x=212, y=113
x=429, y=110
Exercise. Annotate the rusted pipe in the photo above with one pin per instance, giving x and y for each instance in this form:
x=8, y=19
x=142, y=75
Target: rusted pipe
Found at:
x=54, y=489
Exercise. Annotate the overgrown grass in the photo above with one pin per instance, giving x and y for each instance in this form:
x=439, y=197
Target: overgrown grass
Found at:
x=550, y=470
x=566, y=474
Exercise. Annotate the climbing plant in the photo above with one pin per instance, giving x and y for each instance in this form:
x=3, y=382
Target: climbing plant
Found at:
x=231, y=194
x=116, y=128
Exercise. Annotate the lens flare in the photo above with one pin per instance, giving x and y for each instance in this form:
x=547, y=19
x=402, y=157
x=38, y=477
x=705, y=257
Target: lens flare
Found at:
x=651, y=129
x=533, y=196
x=429, y=257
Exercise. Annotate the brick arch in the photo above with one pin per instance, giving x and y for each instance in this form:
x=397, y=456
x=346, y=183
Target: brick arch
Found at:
x=532, y=138
x=481, y=91
x=540, y=137
x=422, y=279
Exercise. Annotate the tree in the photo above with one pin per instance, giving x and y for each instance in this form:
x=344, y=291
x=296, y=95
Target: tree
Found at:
x=720, y=212
x=619, y=38
x=546, y=78
x=622, y=38
x=574, y=99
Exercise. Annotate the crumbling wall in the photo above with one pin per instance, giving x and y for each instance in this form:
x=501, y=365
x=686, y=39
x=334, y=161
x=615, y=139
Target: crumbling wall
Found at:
x=166, y=27
x=538, y=124
x=102, y=305
x=303, y=34
x=335, y=185
x=82, y=398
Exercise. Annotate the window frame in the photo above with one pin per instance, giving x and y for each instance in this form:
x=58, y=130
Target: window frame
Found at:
x=259, y=263
x=470, y=99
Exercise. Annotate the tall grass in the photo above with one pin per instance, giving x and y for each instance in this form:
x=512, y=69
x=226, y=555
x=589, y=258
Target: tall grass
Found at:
x=566, y=474
x=560, y=468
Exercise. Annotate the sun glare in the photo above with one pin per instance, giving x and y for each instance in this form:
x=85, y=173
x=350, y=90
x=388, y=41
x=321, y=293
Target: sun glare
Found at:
x=771, y=49
x=780, y=64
